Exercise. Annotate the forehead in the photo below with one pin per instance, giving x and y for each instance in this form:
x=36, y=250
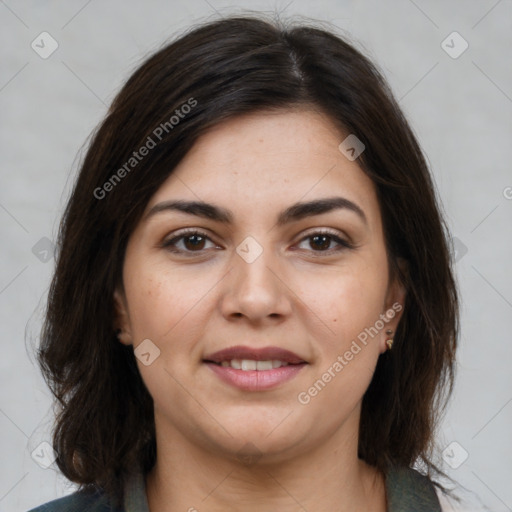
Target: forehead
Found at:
x=269, y=158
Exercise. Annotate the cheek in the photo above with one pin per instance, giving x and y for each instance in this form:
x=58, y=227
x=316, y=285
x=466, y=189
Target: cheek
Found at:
x=147, y=304
x=347, y=301
x=166, y=303
x=165, y=307
x=347, y=347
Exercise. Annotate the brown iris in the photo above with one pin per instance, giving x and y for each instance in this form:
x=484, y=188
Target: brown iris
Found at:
x=324, y=240
x=192, y=242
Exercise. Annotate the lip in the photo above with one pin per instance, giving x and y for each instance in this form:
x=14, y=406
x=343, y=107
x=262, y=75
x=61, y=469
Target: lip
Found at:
x=255, y=354
x=255, y=380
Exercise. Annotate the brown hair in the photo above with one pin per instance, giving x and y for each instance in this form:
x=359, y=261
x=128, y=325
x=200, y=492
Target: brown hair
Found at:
x=222, y=69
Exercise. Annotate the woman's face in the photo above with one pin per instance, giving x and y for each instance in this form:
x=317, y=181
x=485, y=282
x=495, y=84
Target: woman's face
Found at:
x=265, y=305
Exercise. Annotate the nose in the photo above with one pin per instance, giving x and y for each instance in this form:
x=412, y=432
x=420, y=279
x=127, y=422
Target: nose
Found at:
x=257, y=290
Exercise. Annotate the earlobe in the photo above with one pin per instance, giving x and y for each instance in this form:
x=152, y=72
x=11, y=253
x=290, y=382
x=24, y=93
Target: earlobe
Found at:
x=395, y=303
x=389, y=339
x=121, y=322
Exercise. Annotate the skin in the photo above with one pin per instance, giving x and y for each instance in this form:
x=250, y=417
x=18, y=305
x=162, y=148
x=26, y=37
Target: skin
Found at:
x=300, y=295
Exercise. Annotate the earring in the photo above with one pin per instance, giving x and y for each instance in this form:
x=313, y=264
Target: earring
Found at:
x=118, y=332
x=389, y=341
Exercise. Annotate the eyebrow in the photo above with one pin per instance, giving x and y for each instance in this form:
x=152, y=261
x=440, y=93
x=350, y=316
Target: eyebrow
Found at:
x=293, y=213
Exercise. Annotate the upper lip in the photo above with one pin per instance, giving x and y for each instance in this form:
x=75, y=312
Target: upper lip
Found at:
x=255, y=354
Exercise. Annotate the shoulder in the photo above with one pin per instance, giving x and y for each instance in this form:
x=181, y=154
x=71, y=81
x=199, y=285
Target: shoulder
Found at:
x=409, y=490
x=79, y=501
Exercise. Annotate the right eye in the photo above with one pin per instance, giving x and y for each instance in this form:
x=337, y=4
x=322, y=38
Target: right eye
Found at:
x=192, y=241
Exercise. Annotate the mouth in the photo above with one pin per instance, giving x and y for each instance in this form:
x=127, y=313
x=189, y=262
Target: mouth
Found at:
x=255, y=369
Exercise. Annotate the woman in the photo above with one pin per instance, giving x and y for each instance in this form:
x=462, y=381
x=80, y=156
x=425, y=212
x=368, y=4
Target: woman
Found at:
x=253, y=306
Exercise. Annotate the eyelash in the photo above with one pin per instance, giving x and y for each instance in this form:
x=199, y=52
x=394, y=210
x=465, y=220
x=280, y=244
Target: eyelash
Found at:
x=170, y=245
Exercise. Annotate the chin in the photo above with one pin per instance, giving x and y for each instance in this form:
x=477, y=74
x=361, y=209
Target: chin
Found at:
x=257, y=438
x=260, y=452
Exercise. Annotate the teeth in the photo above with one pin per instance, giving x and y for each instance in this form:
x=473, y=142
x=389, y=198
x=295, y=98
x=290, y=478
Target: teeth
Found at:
x=247, y=364
x=264, y=365
x=250, y=364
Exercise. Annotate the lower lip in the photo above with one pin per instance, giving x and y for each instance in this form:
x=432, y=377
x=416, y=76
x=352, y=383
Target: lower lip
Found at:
x=256, y=380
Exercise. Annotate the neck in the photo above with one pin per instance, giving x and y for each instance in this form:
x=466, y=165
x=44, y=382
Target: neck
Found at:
x=330, y=477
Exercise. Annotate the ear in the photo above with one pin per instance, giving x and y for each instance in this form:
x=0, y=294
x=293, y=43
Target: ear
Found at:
x=121, y=322
x=394, y=305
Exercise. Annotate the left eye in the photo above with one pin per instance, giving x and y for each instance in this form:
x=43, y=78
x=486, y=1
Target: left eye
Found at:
x=322, y=241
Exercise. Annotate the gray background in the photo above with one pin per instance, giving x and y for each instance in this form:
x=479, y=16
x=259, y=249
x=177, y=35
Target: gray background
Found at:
x=460, y=109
